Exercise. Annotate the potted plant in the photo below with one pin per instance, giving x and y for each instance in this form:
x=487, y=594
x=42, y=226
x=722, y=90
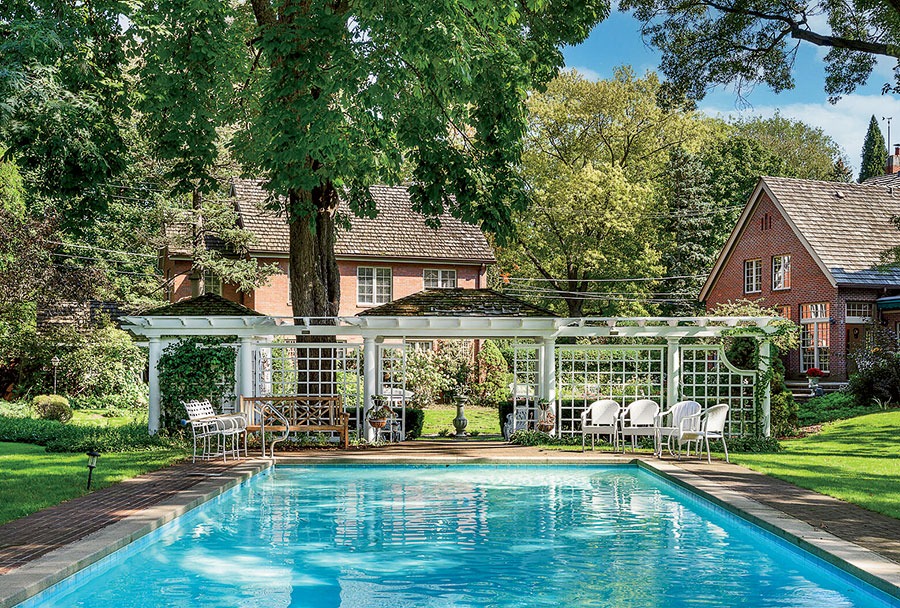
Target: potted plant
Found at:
x=380, y=412
x=547, y=419
x=813, y=375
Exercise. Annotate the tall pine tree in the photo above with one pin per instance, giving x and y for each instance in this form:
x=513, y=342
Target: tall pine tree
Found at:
x=874, y=152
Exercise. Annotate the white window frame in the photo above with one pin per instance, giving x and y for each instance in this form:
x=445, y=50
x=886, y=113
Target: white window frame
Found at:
x=784, y=267
x=383, y=274
x=288, y=273
x=443, y=278
x=811, y=332
x=212, y=283
x=854, y=308
x=753, y=272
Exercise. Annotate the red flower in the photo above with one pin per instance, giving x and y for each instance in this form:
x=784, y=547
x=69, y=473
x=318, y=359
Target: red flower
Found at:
x=815, y=372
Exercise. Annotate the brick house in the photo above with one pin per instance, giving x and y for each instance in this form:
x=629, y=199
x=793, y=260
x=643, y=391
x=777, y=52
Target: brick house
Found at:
x=379, y=260
x=810, y=250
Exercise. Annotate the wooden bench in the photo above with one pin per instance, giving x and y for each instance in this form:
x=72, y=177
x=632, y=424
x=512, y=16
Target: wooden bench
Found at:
x=306, y=414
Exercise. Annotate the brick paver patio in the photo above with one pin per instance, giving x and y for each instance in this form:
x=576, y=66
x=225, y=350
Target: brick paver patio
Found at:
x=28, y=538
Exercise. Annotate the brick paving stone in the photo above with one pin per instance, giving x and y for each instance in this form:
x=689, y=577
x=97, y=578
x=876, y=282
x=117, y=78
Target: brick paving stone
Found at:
x=25, y=539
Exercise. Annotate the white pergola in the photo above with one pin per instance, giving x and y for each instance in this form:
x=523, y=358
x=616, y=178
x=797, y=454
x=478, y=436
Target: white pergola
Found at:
x=544, y=331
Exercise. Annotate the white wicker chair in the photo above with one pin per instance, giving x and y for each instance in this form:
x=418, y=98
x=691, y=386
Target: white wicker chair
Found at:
x=601, y=418
x=711, y=426
x=207, y=425
x=638, y=420
x=673, y=429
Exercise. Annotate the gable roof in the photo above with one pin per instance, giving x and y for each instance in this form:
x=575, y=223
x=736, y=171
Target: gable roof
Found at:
x=844, y=226
x=457, y=303
x=207, y=305
x=397, y=231
x=888, y=180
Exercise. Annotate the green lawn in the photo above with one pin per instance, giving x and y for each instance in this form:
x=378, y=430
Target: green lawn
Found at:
x=857, y=460
x=99, y=418
x=33, y=479
x=482, y=419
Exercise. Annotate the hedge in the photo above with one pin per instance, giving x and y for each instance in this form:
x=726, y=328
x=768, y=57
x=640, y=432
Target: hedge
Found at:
x=58, y=437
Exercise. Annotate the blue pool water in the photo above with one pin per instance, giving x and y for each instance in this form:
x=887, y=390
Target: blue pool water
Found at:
x=425, y=536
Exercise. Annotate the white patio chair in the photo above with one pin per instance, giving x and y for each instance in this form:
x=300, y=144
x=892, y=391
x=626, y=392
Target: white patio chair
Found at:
x=207, y=425
x=601, y=418
x=668, y=424
x=516, y=421
x=711, y=426
x=638, y=420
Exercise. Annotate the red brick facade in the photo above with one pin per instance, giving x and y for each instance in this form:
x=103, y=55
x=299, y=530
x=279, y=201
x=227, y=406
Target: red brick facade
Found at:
x=273, y=299
x=767, y=234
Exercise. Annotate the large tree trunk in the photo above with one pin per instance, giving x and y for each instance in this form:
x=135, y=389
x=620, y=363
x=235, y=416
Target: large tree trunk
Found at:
x=315, y=286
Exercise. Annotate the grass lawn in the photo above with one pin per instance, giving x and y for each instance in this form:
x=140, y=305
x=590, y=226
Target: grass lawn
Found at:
x=485, y=420
x=857, y=460
x=33, y=479
x=99, y=418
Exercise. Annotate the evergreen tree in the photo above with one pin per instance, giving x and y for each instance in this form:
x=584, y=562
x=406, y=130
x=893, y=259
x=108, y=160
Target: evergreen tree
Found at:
x=874, y=153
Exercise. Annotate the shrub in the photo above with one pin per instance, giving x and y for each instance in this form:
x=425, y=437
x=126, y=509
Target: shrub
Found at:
x=121, y=402
x=878, y=365
x=783, y=414
x=752, y=445
x=52, y=407
x=530, y=438
x=414, y=421
x=833, y=406
x=424, y=378
x=58, y=437
x=491, y=370
x=195, y=368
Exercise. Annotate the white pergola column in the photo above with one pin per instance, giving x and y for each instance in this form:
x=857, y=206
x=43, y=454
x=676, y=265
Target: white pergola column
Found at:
x=765, y=356
x=548, y=376
x=245, y=355
x=370, y=384
x=673, y=372
x=154, y=410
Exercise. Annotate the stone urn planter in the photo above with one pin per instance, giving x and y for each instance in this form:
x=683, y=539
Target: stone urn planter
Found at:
x=460, y=422
x=547, y=419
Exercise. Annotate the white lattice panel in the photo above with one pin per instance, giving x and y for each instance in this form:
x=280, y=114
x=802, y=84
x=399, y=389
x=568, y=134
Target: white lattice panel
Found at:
x=709, y=378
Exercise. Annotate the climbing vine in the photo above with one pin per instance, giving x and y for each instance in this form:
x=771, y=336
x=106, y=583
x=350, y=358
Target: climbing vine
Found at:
x=195, y=368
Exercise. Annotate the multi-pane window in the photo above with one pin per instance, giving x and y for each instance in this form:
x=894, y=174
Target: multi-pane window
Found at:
x=439, y=279
x=752, y=276
x=785, y=311
x=815, y=326
x=859, y=312
x=373, y=285
x=781, y=272
x=212, y=283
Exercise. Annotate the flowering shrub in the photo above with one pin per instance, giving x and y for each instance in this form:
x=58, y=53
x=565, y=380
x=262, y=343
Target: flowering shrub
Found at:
x=815, y=372
x=878, y=368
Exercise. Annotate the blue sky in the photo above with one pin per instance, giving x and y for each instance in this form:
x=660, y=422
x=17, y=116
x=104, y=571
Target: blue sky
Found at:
x=617, y=41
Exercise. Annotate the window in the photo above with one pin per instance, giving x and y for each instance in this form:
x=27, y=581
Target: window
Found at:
x=212, y=283
x=815, y=329
x=439, y=279
x=752, y=276
x=859, y=312
x=781, y=272
x=373, y=285
x=785, y=311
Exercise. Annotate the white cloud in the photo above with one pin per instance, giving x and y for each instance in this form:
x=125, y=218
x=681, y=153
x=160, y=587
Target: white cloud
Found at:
x=846, y=122
x=587, y=73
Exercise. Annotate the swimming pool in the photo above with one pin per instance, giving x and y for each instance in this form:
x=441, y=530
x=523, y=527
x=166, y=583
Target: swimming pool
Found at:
x=466, y=535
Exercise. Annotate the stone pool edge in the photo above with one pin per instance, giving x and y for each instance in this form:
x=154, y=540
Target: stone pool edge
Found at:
x=864, y=564
x=36, y=576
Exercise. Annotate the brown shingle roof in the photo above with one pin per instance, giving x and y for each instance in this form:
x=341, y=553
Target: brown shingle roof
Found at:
x=847, y=225
x=457, y=303
x=887, y=180
x=397, y=232
x=207, y=305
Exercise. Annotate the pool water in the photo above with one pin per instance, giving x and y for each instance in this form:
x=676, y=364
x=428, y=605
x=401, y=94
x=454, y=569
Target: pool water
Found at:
x=465, y=535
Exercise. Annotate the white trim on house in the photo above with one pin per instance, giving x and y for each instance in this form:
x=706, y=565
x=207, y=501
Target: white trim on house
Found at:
x=749, y=208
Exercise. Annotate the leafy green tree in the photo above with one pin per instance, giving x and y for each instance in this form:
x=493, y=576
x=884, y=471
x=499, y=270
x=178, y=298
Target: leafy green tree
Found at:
x=743, y=42
x=593, y=154
x=874, y=152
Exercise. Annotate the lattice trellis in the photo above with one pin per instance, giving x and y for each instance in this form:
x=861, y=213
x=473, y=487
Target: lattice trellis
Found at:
x=709, y=378
x=526, y=374
x=287, y=368
x=392, y=378
x=585, y=373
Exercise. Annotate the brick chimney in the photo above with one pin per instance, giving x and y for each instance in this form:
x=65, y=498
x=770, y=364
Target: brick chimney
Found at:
x=893, y=162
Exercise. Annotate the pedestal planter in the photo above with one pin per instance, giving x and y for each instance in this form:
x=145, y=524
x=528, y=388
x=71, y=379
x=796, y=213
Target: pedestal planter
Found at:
x=378, y=423
x=460, y=422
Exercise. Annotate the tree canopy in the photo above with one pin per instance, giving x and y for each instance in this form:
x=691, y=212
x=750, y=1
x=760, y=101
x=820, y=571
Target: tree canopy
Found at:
x=874, y=152
x=740, y=42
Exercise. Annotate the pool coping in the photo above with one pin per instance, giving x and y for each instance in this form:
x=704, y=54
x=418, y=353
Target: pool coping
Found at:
x=34, y=577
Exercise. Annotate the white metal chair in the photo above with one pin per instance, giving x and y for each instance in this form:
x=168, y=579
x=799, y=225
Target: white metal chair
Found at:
x=601, y=418
x=207, y=425
x=516, y=421
x=711, y=426
x=675, y=415
x=638, y=420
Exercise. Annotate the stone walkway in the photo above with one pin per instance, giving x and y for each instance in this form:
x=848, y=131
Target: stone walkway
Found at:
x=25, y=539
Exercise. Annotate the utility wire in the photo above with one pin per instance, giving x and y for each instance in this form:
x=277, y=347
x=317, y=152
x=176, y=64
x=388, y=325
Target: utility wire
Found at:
x=133, y=253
